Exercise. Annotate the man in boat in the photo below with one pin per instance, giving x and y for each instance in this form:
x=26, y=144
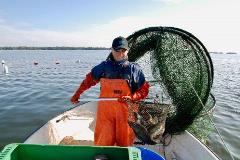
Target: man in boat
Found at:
x=119, y=79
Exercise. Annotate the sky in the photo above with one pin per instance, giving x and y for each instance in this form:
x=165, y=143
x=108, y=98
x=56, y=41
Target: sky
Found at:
x=83, y=23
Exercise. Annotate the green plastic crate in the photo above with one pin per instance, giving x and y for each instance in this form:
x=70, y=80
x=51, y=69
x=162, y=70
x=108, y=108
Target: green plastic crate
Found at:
x=58, y=152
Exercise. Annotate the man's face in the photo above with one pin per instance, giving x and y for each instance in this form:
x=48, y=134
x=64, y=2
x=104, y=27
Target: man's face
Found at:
x=119, y=55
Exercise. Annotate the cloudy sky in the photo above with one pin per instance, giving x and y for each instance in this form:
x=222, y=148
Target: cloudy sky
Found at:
x=96, y=22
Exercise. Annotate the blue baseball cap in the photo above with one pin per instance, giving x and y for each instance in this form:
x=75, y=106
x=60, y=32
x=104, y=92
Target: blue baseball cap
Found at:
x=119, y=43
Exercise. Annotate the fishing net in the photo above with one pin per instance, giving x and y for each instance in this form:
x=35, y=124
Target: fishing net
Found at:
x=180, y=71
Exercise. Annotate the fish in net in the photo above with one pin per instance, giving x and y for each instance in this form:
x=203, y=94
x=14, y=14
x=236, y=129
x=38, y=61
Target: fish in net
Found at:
x=148, y=121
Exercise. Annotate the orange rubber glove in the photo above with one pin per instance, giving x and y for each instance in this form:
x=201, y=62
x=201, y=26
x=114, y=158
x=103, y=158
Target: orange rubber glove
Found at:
x=140, y=94
x=86, y=84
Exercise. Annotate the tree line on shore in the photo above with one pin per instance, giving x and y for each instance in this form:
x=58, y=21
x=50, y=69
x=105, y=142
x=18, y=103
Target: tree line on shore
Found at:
x=53, y=48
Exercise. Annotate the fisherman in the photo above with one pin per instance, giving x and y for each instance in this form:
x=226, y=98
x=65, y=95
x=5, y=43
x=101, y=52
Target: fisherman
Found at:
x=119, y=79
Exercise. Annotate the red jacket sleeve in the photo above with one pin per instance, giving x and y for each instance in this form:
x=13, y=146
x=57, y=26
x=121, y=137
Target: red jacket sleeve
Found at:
x=141, y=93
x=86, y=84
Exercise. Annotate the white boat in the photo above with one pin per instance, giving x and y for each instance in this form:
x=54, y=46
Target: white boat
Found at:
x=78, y=123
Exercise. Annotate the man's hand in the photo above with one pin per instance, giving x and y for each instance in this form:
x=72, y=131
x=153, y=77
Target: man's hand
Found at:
x=74, y=99
x=125, y=99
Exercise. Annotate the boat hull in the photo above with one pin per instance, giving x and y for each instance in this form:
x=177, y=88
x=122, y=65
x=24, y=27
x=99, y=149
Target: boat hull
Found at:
x=77, y=126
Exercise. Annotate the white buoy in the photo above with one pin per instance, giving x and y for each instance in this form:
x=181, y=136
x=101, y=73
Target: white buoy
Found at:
x=35, y=63
x=5, y=67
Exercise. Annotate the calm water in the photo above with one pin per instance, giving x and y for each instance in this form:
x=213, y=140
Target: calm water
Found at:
x=32, y=94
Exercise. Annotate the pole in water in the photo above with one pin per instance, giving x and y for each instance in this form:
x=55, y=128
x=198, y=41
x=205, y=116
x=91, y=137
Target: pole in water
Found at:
x=5, y=67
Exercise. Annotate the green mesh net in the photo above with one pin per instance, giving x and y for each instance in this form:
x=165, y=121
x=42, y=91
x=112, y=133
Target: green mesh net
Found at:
x=180, y=71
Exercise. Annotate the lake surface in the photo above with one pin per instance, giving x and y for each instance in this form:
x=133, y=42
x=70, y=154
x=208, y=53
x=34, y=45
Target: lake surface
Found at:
x=30, y=95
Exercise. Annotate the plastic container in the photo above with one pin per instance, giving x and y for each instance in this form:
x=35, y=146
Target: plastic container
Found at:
x=149, y=155
x=58, y=152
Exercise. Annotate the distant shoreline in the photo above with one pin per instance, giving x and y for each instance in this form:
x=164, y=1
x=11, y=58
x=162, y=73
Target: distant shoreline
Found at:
x=54, y=48
x=78, y=48
x=223, y=53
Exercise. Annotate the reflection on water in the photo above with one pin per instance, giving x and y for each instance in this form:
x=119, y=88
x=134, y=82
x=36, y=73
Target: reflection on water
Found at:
x=31, y=94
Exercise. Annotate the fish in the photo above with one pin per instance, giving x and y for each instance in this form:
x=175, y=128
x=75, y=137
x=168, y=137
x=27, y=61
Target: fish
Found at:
x=149, y=124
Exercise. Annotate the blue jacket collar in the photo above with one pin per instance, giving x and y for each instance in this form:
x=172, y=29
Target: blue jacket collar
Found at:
x=123, y=62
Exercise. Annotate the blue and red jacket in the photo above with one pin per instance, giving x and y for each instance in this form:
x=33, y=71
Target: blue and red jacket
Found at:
x=120, y=70
x=116, y=70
